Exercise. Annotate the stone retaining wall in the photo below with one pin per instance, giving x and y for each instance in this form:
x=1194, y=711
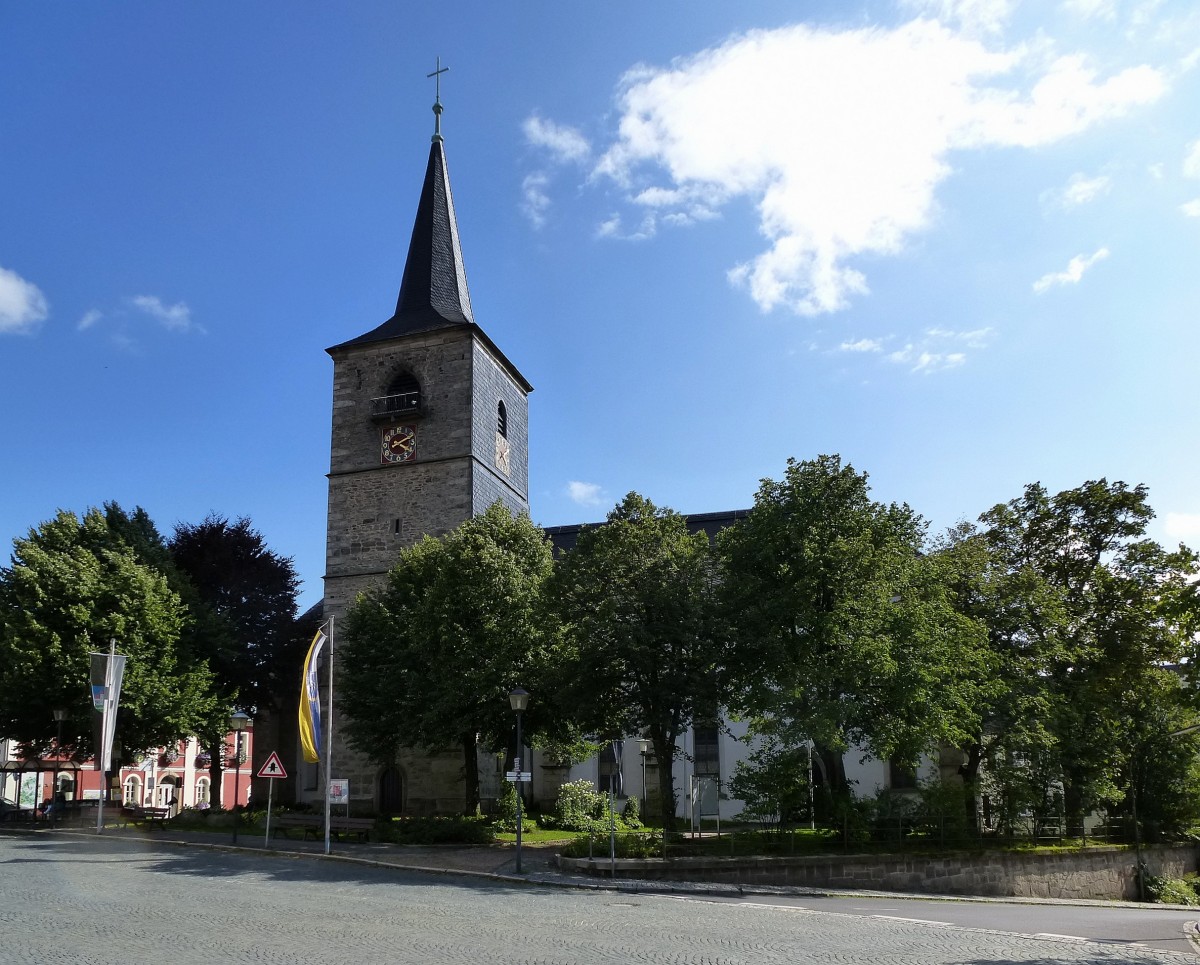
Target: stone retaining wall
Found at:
x=1101, y=872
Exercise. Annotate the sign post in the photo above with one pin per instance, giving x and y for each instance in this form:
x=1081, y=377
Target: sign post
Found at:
x=272, y=769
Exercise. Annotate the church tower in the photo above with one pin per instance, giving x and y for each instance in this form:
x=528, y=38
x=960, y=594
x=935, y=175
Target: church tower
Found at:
x=430, y=419
x=430, y=427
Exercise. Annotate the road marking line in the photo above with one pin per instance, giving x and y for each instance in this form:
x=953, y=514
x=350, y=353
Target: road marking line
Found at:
x=1050, y=934
x=919, y=921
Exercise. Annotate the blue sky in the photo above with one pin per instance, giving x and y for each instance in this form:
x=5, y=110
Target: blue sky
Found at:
x=955, y=241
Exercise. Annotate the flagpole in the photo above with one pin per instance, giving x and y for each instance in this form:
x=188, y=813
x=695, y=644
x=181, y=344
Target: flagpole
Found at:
x=329, y=738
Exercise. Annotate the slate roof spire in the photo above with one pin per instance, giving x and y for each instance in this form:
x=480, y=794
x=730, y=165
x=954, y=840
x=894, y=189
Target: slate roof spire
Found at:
x=433, y=288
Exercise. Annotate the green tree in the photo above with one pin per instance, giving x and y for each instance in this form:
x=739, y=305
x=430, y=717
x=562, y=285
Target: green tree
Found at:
x=846, y=632
x=429, y=658
x=252, y=590
x=644, y=651
x=1094, y=629
x=243, y=601
x=72, y=587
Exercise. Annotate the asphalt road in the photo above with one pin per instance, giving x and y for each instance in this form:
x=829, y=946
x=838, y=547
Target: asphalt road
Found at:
x=101, y=899
x=1155, y=927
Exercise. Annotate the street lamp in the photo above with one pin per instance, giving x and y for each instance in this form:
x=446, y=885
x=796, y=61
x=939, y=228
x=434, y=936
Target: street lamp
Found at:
x=237, y=724
x=644, y=749
x=518, y=699
x=60, y=714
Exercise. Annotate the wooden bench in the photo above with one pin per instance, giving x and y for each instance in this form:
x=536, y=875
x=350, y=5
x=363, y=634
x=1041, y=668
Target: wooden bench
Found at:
x=359, y=827
x=143, y=816
x=307, y=824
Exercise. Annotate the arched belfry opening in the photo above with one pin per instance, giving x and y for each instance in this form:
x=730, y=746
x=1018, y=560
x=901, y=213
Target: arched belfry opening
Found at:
x=402, y=397
x=502, y=420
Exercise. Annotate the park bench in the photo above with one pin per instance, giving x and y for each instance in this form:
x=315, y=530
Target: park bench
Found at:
x=307, y=824
x=359, y=827
x=140, y=816
x=75, y=813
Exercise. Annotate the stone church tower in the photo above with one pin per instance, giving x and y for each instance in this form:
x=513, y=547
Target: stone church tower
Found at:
x=430, y=427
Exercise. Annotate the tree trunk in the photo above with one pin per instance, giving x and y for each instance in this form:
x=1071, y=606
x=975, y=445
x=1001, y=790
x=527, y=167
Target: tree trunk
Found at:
x=471, y=773
x=969, y=772
x=216, y=750
x=664, y=753
x=832, y=769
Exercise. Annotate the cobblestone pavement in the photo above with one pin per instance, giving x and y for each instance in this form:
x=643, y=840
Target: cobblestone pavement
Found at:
x=119, y=898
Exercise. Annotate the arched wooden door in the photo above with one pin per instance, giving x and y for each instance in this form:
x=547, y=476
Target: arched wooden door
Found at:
x=391, y=791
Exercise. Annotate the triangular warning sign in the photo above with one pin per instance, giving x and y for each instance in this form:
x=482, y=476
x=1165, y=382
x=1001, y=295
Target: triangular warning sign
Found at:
x=272, y=767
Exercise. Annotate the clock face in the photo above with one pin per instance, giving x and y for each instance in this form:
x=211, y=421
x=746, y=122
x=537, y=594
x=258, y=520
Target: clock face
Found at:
x=399, y=444
x=503, y=460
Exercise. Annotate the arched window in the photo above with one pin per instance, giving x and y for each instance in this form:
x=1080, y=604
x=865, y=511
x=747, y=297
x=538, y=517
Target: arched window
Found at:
x=203, y=792
x=502, y=420
x=403, y=395
x=132, y=793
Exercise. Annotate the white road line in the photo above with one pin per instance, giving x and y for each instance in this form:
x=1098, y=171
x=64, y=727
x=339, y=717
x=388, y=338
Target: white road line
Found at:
x=919, y=921
x=1069, y=938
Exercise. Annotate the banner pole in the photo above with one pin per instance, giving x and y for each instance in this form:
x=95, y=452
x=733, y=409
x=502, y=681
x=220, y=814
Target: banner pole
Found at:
x=329, y=738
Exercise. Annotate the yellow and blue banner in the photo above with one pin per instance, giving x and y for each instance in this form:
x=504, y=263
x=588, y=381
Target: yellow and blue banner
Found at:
x=310, y=702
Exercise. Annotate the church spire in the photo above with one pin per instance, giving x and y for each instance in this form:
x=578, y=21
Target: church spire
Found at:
x=433, y=288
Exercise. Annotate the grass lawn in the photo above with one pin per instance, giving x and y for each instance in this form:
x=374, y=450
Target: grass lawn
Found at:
x=539, y=836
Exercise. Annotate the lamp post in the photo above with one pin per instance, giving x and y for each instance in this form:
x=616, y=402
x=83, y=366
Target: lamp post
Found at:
x=644, y=750
x=60, y=714
x=518, y=699
x=237, y=724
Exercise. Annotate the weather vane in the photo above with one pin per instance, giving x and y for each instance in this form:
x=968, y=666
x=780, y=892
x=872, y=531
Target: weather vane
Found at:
x=437, y=103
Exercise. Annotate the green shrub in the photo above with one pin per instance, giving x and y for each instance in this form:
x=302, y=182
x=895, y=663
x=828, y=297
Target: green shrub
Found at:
x=579, y=806
x=448, y=830
x=628, y=846
x=773, y=783
x=631, y=814
x=506, y=809
x=1171, y=891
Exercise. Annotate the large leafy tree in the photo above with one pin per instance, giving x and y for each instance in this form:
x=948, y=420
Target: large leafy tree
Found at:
x=644, y=651
x=243, y=598
x=428, y=659
x=73, y=587
x=252, y=591
x=846, y=631
x=1093, y=627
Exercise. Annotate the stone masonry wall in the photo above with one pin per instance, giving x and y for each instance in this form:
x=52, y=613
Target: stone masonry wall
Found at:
x=375, y=510
x=1097, y=873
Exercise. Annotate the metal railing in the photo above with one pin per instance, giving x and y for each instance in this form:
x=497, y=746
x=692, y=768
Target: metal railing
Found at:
x=404, y=403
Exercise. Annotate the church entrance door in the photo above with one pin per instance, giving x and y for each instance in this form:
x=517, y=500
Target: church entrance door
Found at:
x=391, y=791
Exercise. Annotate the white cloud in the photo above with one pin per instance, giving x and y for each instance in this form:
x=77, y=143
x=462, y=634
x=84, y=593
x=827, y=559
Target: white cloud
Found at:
x=175, y=318
x=23, y=307
x=975, y=338
x=535, y=199
x=862, y=345
x=585, y=493
x=1191, y=208
x=1089, y=9
x=1191, y=163
x=1182, y=527
x=613, y=227
x=931, y=354
x=1157, y=170
x=1073, y=272
x=1081, y=189
x=974, y=16
x=90, y=318
x=927, y=362
x=564, y=143
x=841, y=137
